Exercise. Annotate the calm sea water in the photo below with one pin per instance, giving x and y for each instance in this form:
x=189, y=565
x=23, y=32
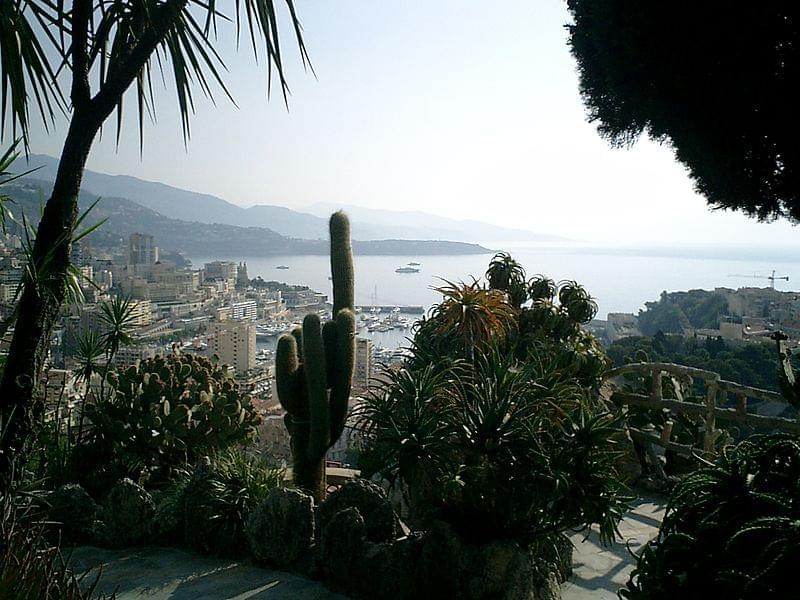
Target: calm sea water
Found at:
x=621, y=279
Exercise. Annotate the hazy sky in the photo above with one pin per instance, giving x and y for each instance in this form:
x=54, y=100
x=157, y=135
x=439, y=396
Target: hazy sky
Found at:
x=463, y=108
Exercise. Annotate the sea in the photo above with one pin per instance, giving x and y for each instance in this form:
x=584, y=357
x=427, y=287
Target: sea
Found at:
x=620, y=278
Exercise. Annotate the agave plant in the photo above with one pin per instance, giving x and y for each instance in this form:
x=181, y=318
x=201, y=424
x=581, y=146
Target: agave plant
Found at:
x=732, y=529
x=220, y=491
x=479, y=315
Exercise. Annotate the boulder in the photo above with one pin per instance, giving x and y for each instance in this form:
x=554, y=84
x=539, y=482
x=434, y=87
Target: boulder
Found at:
x=390, y=571
x=505, y=570
x=75, y=510
x=372, y=504
x=128, y=512
x=281, y=529
x=441, y=564
x=342, y=547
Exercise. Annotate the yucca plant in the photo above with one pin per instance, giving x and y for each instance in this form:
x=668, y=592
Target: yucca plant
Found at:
x=731, y=530
x=506, y=274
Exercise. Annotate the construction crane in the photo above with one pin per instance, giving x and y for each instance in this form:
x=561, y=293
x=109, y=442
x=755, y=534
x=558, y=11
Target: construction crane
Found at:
x=771, y=278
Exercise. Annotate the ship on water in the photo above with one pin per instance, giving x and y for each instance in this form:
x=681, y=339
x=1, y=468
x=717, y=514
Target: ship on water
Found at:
x=407, y=270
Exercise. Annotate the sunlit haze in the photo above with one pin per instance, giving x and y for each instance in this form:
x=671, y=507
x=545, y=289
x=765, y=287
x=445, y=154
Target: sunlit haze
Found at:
x=460, y=108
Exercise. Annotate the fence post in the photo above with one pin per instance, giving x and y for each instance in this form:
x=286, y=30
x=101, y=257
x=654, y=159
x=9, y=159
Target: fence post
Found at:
x=711, y=419
x=657, y=393
x=741, y=404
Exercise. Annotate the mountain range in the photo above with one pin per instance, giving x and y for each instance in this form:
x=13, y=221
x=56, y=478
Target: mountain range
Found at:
x=311, y=224
x=192, y=238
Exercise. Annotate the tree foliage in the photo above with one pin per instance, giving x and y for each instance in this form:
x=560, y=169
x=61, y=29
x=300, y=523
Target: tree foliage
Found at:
x=718, y=83
x=753, y=364
x=675, y=312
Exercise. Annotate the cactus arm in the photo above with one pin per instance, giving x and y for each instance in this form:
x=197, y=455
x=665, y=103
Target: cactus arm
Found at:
x=342, y=272
x=329, y=341
x=316, y=388
x=287, y=370
x=297, y=334
x=345, y=364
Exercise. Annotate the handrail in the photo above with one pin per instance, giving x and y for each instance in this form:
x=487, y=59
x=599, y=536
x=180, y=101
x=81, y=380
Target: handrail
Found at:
x=717, y=392
x=722, y=384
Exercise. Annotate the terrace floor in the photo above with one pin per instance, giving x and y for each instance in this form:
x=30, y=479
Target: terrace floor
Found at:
x=170, y=574
x=599, y=572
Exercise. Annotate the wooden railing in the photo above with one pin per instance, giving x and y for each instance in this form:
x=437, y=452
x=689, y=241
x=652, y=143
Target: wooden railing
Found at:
x=717, y=392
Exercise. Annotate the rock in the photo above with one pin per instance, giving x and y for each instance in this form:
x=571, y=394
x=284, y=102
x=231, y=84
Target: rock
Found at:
x=281, y=528
x=562, y=561
x=441, y=562
x=549, y=589
x=372, y=504
x=390, y=571
x=75, y=510
x=505, y=570
x=128, y=514
x=342, y=547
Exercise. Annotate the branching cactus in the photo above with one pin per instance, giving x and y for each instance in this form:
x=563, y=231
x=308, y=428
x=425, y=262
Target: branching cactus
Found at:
x=314, y=371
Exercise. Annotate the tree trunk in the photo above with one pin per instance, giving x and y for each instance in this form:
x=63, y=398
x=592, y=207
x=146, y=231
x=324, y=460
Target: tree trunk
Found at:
x=43, y=293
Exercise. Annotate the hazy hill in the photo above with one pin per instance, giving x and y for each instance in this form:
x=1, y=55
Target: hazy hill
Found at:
x=415, y=224
x=193, y=238
x=367, y=224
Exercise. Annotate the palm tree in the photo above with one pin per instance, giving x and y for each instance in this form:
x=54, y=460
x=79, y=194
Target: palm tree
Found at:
x=117, y=317
x=89, y=351
x=120, y=43
x=477, y=314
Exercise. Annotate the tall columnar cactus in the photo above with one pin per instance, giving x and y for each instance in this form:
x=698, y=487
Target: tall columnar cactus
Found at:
x=314, y=371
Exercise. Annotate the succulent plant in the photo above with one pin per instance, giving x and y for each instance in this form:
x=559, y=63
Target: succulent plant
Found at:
x=161, y=414
x=314, y=371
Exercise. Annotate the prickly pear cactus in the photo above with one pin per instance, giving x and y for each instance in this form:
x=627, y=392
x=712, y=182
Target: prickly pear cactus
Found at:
x=314, y=371
x=166, y=411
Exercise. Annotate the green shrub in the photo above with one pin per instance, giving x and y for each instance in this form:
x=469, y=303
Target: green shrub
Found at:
x=731, y=530
x=207, y=508
x=499, y=449
x=159, y=416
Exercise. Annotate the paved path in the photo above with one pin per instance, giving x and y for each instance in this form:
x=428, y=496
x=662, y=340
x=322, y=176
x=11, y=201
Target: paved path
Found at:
x=170, y=574
x=599, y=571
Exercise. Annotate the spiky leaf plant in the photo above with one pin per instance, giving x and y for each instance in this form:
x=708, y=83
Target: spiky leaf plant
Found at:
x=731, y=530
x=498, y=448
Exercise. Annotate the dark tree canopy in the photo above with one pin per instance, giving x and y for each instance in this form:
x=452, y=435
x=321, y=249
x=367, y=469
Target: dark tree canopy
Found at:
x=713, y=79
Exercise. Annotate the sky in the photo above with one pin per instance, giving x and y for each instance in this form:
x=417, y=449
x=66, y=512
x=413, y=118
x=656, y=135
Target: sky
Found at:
x=461, y=108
